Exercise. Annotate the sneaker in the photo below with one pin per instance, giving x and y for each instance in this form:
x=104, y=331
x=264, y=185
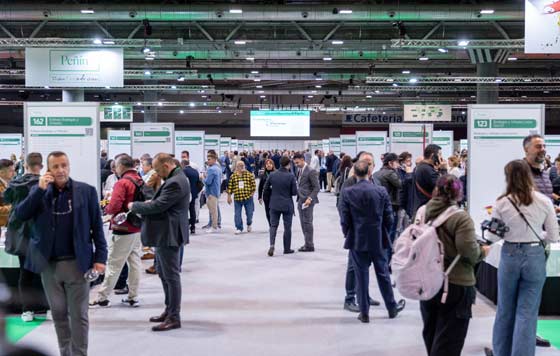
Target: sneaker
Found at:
x=134, y=303
x=237, y=232
x=121, y=291
x=27, y=316
x=249, y=228
x=206, y=227
x=100, y=304
x=212, y=230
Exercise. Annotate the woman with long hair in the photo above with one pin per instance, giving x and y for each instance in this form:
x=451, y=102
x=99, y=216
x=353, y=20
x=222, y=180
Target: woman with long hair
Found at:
x=522, y=269
x=446, y=324
x=265, y=196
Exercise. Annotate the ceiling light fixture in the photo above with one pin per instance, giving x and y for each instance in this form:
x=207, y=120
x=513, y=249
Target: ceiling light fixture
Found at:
x=486, y=12
x=327, y=58
x=181, y=111
x=87, y=11
x=173, y=87
x=240, y=42
x=464, y=43
x=511, y=59
x=149, y=58
x=192, y=105
x=405, y=72
x=368, y=96
x=263, y=96
x=147, y=72
x=138, y=103
x=254, y=72
x=97, y=41
x=337, y=42
x=259, y=86
x=181, y=79
x=250, y=58
x=235, y=11
x=318, y=86
x=443, y=50
x=160, y=103
x=146, y=50
x=108, y=42
x=390, y=80
x=310, y=96
x=345, y=12
x=395, y=85
x=423, y=58
x=413, y=80
x=257, y=79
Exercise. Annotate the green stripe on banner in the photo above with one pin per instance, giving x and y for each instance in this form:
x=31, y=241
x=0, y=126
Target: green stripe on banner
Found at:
x=498, y=137
x=16, y=328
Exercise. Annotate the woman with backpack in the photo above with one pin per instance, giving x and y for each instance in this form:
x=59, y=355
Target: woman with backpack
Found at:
x=446, y=321
x=522, y=269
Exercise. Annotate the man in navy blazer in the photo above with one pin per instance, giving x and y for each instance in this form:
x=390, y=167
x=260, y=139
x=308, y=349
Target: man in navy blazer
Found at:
x=66, y=241
x=365, y=211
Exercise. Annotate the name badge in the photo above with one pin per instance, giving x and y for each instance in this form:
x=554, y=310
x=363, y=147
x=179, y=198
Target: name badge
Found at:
x=241, y=184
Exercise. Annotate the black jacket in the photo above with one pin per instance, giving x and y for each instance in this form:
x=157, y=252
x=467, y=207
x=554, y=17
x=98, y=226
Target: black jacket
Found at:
x=425, y=177
x=265, y=196
x=282, y=186
x=389, y=179
x=19, y=232
x=194, y=178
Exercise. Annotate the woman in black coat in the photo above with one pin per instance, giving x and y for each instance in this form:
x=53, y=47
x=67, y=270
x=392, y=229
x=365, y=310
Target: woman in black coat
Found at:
x=265, y=197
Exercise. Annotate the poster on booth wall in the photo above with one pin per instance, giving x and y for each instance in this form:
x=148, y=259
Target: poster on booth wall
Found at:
x=542, y=32
x=225, y=143
x=495, y=134
x=326, y=146
x=444, y=139
x=412, y=138
x=348, y=145
x=334, y=143
x=118, y=141
x=192, y=141
x=211, y=142
x=374, y=143
x=69, y=127
x=552, y=146
x=11, y=144
x=463, y=145
x=152, y=138
x=234, y=144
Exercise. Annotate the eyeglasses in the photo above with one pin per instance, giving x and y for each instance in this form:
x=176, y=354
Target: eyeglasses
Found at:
x=58, y=213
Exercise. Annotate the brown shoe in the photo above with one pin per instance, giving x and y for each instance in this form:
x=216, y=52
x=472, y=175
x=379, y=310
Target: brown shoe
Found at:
x=167, y=325
x=159, y=319
x=151, y=270
x=148, y=256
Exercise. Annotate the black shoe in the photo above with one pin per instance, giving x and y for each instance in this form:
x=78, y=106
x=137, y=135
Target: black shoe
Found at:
x=374, y=302
x=352, y=307
x=167, y=325
x=158, y=319
x=287, y=252
x=363, y=318
x=399, y=308
x=271, y=251
x=488, y=351
x=306, y=249
x=542, y=342
x=193, y=230
x=121, y=291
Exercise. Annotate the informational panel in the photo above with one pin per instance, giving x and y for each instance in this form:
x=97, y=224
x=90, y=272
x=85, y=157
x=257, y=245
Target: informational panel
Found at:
x=552, y=146
x=334, y=143
x=152, y=138
x=412, y=138
x=464, y=145
x=444, y=139
x=373, y=142
x=251, y=146
x=348, y=145
x=429, y=113
x=192, y=141
x=115, y=113
x=280, y=123
x=268, y=145
x=496, y=134
x=225, y=143
x=10, y=144
x=118, y=141
x=541, y=26
x=74, y=67
x=326, y=146
x=69, y=127
x=211, y=142
x=234, y=144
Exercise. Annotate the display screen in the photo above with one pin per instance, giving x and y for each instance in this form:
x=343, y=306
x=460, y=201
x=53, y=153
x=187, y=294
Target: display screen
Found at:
x=276, y=123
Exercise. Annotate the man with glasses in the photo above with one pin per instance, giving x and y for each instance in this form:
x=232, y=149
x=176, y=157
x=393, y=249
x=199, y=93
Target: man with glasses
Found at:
x=66, y=227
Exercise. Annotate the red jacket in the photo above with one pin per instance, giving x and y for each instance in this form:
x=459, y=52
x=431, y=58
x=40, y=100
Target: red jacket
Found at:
x=123, y=193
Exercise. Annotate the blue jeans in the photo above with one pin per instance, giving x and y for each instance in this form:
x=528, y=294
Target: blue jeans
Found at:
x=249, y=209
x=521, y=277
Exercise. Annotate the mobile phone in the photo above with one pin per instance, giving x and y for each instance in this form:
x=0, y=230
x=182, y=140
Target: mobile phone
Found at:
x=435, y=158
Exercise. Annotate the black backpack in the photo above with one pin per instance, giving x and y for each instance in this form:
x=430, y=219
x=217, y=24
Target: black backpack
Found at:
x=142, y=192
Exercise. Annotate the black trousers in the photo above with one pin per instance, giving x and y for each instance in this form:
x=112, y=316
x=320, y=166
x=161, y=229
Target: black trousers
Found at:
x=192, y=213
x=275, y=221
x=351, y=282
x=27, y=293
x=446, y=325
x=123, y=277
x=267, y=210
x=323, y=179
x=168, y=268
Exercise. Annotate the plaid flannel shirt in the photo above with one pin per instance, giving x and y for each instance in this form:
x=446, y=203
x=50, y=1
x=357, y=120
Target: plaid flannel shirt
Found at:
x=249, y=185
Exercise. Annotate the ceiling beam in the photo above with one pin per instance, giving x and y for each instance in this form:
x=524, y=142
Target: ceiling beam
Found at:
x=6, y=31
x=234, y=31
x=38, y=28
x=500, y=29
x=135, y=30
x=332, y=32
x=302, y=31
x=204, y=32
x=103, y=29
x=433, y=30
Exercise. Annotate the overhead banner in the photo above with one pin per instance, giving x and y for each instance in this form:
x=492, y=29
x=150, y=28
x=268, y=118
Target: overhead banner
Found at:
x=348, y=145
x=412, y=138
x=444, y=139
x=118, y=141
x=74, y=67
x=192, y=141
x=152, y=138
x=373, y=142
x=334, y=143
x=69, y=127
x=225, y=143
x=427, y=113
x=115, y=113
x=211, y=142
x=379, y=119
x=552, y=146
x=10, y=144
x=495, y=135
x=541, y=26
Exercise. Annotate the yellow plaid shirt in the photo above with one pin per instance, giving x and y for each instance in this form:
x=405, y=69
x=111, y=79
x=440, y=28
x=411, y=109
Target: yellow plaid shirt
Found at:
x=242, y=186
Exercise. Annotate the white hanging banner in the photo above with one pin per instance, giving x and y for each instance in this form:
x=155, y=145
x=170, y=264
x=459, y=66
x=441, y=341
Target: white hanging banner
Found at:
x=225, y=143
x=69, y=127
x=552, y=146
x=427, y=113
x=74, y=67
x=373, y=142
x=348, y=145
x=192, y=141
x=334, y=143
x=412, y=138
x=495, y=135
x=444, y=139
x=118, y=141
x=152, y=138
x=11, y=144
x=541, y=26
x=211, y=142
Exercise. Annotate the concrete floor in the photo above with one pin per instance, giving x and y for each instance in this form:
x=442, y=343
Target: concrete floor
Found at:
x=238, y=301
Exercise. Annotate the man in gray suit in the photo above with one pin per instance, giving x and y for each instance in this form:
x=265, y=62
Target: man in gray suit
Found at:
x=165, y=227
x=308, y=188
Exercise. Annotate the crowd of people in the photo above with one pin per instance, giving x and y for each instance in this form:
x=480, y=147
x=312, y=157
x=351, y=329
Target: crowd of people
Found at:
x=55, y=225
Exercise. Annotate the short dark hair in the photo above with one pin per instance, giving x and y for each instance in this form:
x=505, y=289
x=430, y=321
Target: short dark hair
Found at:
x=125, y=161
x=361, y=168
x=298, y=155
x=527, y=140
x=390, y=157
x=6, y=163
x=431, y=150
x=34, y=159
x=235, y=152
x=404, y=156
x=284, y=161
x=55, y=154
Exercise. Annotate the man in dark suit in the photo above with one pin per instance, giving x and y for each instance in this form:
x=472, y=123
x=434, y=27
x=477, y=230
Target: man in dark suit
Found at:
x=282, y=187
x=308, y=188
x=365, y=211
x=66, y=225
x=165, y=228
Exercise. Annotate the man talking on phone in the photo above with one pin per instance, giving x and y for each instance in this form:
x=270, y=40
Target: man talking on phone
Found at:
x=66, y=242
x=426, y=174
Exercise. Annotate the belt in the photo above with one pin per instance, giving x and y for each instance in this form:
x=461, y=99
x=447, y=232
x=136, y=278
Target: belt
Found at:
x=63, y=258
x=531, y=243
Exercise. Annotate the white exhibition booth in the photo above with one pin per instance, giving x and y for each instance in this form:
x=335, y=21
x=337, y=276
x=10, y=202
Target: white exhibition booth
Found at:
x=11, y=144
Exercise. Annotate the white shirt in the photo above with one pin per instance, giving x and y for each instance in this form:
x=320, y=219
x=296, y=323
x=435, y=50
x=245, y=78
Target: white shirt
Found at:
x=456, y=172
x=146, y=177
x=315, y=163
x=109, y=184
x=540, y=212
